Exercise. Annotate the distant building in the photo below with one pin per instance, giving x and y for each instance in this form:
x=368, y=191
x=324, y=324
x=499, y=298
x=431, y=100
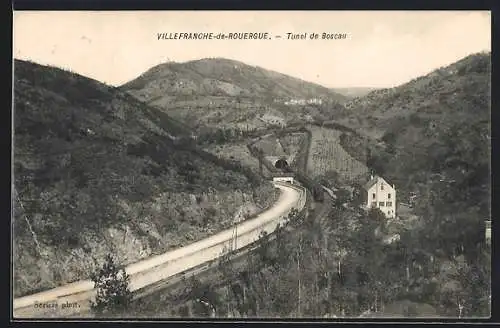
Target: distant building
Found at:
x=316, y=101
x=295, y=102
x=380, y=194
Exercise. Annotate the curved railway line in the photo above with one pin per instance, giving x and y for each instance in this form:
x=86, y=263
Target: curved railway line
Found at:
x=155, y=271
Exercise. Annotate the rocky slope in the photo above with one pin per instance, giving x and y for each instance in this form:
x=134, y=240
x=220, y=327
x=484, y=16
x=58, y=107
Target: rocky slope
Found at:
x=98, y=172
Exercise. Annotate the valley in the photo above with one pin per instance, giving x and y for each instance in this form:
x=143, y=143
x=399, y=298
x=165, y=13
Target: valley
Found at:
x=95, y=155
x=180, y=153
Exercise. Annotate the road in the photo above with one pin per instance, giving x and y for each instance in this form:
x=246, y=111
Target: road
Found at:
x=166, y=299
x=74, y=297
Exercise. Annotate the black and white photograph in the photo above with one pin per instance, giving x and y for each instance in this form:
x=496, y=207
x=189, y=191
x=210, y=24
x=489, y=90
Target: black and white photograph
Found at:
x=206, y=165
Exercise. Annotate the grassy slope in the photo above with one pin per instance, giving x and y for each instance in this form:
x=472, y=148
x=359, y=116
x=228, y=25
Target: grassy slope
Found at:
x=436, y=143
x=427, y=122
x=98, y=172
x=443, y=96
x=227, y=92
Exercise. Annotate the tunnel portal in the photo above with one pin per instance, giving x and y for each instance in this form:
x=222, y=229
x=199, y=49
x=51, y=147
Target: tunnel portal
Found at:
x=281, y=164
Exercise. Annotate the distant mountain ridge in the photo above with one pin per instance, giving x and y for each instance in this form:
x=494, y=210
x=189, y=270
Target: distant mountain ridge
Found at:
x=354, y=91
x=223, y=91
x=220, y=76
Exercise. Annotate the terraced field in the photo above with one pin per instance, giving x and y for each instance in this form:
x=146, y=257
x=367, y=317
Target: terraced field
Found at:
x=326, y=154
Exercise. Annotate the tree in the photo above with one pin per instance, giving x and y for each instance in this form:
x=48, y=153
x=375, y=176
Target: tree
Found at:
x=264, y=250
x=113, y=293
x=260, y=157
x=204, y=297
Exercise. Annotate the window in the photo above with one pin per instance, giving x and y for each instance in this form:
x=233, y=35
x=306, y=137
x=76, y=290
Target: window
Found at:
x=380, y=203
x=388, y=196
x=382, y=186
x=373, y=195
x=388, y=204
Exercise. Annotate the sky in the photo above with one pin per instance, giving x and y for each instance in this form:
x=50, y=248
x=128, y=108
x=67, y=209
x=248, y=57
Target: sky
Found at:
x=381, y=48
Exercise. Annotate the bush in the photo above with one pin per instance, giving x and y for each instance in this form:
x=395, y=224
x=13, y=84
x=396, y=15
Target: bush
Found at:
x=113, y=294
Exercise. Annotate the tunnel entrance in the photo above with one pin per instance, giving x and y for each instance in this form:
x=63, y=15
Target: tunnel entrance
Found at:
x=281, y=164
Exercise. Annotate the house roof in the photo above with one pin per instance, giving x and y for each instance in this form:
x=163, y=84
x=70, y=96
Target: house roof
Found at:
x=373, y=181
x=370, y=183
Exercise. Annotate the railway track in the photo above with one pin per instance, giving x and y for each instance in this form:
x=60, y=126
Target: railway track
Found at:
x=156, y=270
x=174, y=294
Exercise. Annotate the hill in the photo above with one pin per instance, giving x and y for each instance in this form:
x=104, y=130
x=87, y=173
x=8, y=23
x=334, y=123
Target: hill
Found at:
x=425, y=119
x=219, y=91
x=435, y=145
x=432, y=138
x=98, y=172
x=354, y=92
x=457, y=89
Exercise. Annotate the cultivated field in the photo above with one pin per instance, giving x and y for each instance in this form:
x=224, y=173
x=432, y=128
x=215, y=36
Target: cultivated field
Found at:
x=326, y=154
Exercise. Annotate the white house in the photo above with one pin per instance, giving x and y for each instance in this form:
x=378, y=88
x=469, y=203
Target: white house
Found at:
x=381, y=195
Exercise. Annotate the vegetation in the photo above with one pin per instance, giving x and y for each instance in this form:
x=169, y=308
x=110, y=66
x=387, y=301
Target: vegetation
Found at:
x=441, y=154
x=113, y=295
x=220, y=92
x=345, y=267
x=270, y=146
x=433, y=141
x=354, y=92
x=292, y=143
x=351, y=264
x=327, y=155
x=221, y=76
x=99, y=172
x=445, y=130
x=220, y=136
x=434, y=98
x=238, y=152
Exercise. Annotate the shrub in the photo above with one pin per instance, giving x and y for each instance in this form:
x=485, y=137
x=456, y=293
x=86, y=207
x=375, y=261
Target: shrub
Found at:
x=113, y=294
